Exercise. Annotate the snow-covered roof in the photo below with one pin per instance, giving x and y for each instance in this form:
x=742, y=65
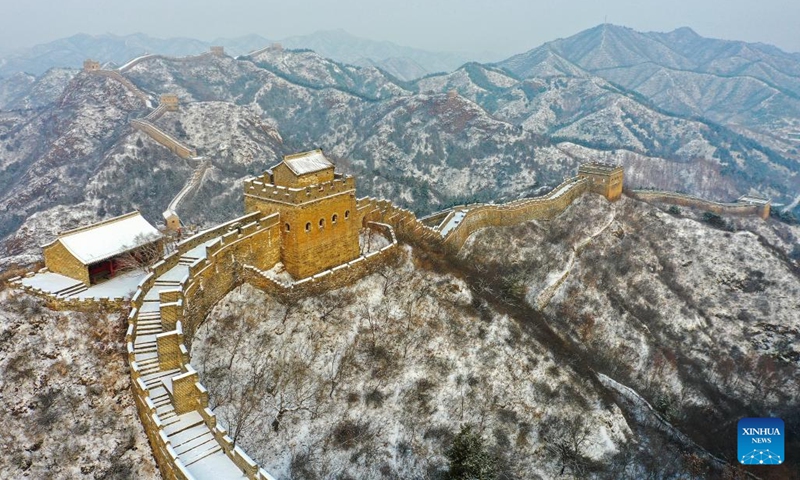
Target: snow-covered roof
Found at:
x=307, y=162
x=109, y=238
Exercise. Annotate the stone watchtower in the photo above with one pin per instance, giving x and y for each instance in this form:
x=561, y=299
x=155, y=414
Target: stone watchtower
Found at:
x=170, y=101
x=90, y=65
x=217, y=51
x=317, y=208
x=604, y=178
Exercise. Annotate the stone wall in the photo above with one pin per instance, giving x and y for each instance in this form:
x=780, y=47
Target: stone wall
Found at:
x=477, y=216
x=164, y=139
x=672, y=198
x=248, y=239
x=58, y=259
x=516, y=212
x=169, y=101
x=127, y=83
x=319, y=228
x=239, y=251
x=262, y=188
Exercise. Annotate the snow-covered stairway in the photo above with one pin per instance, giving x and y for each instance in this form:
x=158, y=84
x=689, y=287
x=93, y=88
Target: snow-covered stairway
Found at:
x=192, y=438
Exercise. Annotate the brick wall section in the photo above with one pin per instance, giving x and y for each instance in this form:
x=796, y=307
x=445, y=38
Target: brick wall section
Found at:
x=516, y=212
x=164, y=139
x=128, y=84
x=603, y=179
x=58, y=259
x=248, y=239
x=671, y=198
x=478, y=216
x=319, y=228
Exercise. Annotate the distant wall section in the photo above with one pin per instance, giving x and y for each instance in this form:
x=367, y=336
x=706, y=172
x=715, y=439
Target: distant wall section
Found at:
x=743, y=207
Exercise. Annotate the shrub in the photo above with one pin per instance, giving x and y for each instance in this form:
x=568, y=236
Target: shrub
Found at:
x=716, y=221
x=468, y=457
x=348, y=434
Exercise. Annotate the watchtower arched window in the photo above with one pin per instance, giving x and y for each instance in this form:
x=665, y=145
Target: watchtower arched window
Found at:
x=321, y=223
x=288, y=228
x=334, y=218
x=347, y=214
x=308, y=227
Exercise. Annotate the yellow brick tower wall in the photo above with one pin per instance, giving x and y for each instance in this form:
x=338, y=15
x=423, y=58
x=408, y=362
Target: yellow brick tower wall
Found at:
x=170, y=101
x=603, y=179
x=58, y=259
x=284, y=176
x=316, y=235
x=91, y=65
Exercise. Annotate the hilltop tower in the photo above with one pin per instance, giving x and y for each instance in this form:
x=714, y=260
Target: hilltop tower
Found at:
x=217, y=51
x=317, y=208
x=90, y=65
x=170, y=101
x=604, y=178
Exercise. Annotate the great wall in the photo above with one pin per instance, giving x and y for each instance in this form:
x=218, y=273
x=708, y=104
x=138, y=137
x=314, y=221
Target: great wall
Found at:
x=176, y=293
x=744, y=206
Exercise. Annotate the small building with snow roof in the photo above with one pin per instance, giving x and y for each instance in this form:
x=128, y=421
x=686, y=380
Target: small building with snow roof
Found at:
x=317, y=208
x=303, y=169
x=99, y=251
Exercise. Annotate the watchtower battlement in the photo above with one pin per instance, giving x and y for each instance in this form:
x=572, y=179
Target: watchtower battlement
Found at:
x=264, y=188
x=604, y=178
x=169, y=101
x=90, y=65
x=317, y=209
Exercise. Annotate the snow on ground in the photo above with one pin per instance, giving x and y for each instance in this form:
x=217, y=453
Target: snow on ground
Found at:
x=453, y=222
x=376, y=378
x=66, y=406
x=656, y=298
x=50, y=282
x=120, y=286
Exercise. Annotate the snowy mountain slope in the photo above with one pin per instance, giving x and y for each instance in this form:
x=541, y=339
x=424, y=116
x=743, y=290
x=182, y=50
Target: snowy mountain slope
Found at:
x=753, y=84
x=496, y=139
x=373, y=380
x=49, y=156
x=652, y=329
x=700, y=321
x=67, y=405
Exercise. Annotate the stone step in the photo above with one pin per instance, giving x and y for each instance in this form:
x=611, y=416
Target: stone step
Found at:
x=140, y=349
x=165, y=410
x=149, y=321
x=148, y=361
x=155, y=378
x=189, y=434
x=71, y=290
x=149, y=370
x=198, y=442
x=151, y=344
x=167, y=414
x=150, y=330
x=200, y=453
x=145, y=357
x=182, y=422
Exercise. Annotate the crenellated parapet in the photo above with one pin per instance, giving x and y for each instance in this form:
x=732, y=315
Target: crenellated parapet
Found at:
x=259, y=189
x=745, y=206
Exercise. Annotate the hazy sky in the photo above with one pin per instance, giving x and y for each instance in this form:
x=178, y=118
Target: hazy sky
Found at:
x=501, y=26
